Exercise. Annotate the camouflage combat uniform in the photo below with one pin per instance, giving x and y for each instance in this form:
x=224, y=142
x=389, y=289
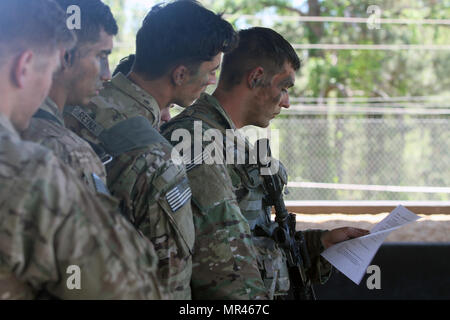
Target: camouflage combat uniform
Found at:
x=246, y=184
x=47, y=128
x=225, y=262
x=154, y=191
x=49, y=221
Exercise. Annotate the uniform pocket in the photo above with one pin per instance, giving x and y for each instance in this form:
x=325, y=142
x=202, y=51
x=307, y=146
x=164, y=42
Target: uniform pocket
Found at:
x=272, y=265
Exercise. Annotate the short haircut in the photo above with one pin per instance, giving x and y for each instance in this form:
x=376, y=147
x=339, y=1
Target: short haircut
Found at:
x=257, y=47
x=39, y=25
x=125, y=65
x=182, y=32
x=95, y=16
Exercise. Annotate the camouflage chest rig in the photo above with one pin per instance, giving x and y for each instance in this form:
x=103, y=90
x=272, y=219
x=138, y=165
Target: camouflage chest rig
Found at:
x=248, y=187
x=251, y=194
x=169, y=191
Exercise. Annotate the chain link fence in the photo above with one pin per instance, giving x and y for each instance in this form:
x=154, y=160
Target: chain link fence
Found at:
x=365, y=157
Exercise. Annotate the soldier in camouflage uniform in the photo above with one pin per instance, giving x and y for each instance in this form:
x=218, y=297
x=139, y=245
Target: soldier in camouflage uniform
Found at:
x=83, y=70
x=49, y=223
x=122, y=124
x=252, y=89
x=124, y=67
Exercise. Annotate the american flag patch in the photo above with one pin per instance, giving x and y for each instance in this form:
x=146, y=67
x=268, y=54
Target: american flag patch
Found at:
x=179, y=196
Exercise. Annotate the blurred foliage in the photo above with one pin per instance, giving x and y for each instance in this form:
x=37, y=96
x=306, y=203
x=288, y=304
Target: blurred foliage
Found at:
x=345, y=153
x=345, y=73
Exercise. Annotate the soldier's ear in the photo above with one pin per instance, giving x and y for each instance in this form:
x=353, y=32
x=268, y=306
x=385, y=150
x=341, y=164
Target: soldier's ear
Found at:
x=180, y=75
x=22, y=68
x=67, y=60
x=255, y=77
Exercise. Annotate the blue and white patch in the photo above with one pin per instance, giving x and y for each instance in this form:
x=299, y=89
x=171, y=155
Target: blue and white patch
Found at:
x=179, y=196
x=99, y=185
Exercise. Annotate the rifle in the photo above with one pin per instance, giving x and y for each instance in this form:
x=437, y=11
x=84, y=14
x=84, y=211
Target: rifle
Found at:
x=291, y=241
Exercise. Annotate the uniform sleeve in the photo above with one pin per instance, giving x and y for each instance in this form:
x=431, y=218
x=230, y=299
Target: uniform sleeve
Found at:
x=224, y=260
x=155, y=196
x=60, y=239
x=67, y=147
x=320, y=270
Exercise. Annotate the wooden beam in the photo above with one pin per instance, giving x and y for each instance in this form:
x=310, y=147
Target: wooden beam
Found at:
x=367, y=207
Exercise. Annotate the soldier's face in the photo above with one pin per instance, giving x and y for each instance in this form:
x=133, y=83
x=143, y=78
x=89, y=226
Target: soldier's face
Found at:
x=35, y=85
x=270, y=97
x=196, y=84
x=90, y=70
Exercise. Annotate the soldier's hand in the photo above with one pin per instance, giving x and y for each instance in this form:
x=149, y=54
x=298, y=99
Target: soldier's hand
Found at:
x=334, y=236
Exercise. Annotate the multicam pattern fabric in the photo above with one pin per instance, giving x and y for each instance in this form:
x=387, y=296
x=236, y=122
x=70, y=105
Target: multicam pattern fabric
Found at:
x=50, y=222
x=225, y=264
x=51, y=133
x=153, y=191
x=224, y=259
x=246, y=186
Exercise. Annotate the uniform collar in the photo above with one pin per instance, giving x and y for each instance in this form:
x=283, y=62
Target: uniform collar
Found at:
x=221, y=115
x=52, y=108
x=6, y=125
x=122, y=83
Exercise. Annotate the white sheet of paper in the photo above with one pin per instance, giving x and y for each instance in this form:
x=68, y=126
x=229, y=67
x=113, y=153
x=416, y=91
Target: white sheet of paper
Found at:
x=352, y=257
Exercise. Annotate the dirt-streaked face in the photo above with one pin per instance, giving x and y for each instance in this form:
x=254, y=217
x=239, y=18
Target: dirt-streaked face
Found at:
x=196, y=84
x=90, y=70
x=270, y=97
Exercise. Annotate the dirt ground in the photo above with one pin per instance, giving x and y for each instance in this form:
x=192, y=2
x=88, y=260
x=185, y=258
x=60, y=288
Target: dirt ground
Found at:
x=430, y=228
